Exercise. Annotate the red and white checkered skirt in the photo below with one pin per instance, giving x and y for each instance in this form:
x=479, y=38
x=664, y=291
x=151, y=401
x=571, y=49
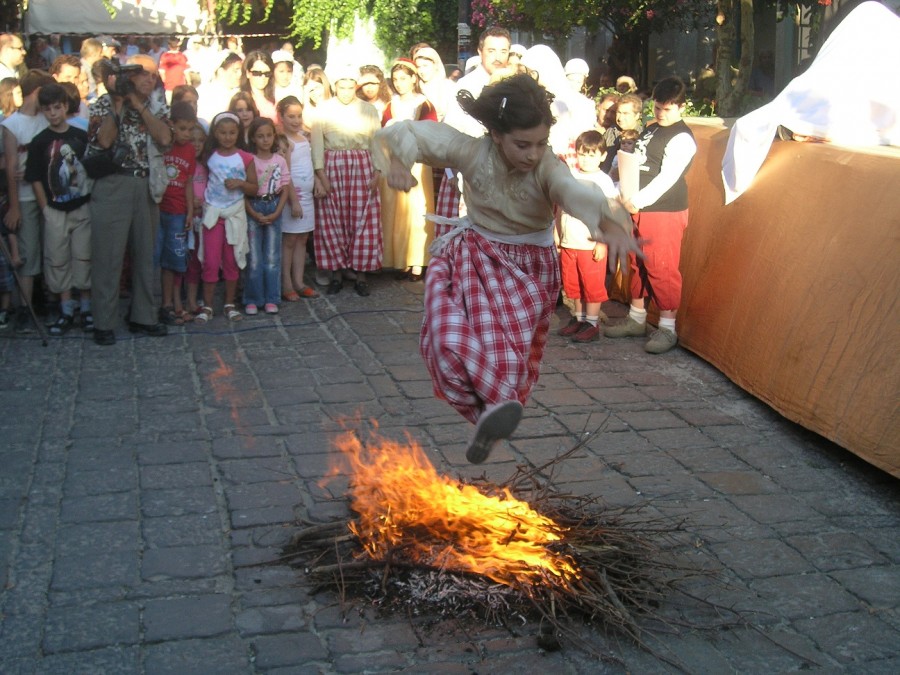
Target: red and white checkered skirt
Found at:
x=487, y=315
x=349, y=232
x=447, y=203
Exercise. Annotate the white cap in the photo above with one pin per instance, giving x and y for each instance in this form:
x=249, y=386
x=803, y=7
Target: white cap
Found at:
x=343, y=71
x=281, y=56
x=577, y=66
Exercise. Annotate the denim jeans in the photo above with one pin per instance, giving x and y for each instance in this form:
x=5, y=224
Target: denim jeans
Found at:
x=262, y=284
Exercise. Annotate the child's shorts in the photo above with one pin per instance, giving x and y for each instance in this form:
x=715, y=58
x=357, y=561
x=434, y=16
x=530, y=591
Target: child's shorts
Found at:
x=171, y=252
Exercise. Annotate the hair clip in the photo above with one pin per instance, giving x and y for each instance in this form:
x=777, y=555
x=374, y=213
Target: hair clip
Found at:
x=502, y=108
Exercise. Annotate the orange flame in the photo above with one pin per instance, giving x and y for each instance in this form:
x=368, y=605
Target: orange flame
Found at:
x=406, y=507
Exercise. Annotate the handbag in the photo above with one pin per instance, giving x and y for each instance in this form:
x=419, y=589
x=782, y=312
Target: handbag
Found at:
x=102, y=162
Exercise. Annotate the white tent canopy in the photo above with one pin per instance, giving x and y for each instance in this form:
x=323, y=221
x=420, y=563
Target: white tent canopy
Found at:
x=133, y=17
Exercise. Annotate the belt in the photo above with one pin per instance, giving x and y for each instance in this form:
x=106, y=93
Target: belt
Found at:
x=137, y=173
x=267, y=198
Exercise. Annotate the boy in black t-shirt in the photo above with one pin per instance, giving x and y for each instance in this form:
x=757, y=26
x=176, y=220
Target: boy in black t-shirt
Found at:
x=62, y=189
x=660, y=213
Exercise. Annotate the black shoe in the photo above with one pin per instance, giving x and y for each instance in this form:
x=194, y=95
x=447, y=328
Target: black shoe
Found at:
x=362, y=288
x=154, y=330
x=401, y=276
x=62, y=325
x=104, y=337
x=334, y=287
x=23, y=321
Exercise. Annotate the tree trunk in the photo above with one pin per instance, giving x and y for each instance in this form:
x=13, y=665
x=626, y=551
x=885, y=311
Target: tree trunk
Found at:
x=732, y=85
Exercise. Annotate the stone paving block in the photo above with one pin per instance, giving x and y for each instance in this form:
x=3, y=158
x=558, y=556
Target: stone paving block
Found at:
x=761, y=558
x=773, y=508
x=738, y=482
x=270, y=515
x=354, y=641
x=183, y=562
x=709, y=459
x=224, y=655
x=678, y=439
x=165, y=476
x=83, y=538
x=562, y=398
x=269, y=620
x=287, y=649
x=169, y=423
x=853, y=639
x=670, y=486
x=112, y=479
x=236, y=418
x=178, y=502
x=878, y=585
x=99, y=508
x=802, y=596
x=96, y=569
x=91, y=455
x=650, y=419
x=263, y=494
x=168, y=531
x=256, y=470
x=387, y=662
x=830, y=551
x=172, y=452
x=189, y=617
x=703, y=416
x=651, y=463
x=120, y=660
x=76, y=628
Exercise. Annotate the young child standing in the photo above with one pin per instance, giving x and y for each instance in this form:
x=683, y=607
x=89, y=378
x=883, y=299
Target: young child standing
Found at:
x=62, y=190
x=175, y=212
x=232, y=176
x=660, y=214
x=191, y=277
x=494, y=280
x=263, y=282
x=347, y=185
x=296, y=227
x=582, y=260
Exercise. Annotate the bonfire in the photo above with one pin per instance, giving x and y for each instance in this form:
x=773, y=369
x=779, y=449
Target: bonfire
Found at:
x=424, y=542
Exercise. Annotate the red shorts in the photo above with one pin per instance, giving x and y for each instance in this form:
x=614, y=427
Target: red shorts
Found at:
x=657, y=276
x=583, y=278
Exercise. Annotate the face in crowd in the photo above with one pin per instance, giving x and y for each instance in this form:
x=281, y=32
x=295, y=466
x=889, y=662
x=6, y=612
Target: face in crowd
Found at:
x=494, y=54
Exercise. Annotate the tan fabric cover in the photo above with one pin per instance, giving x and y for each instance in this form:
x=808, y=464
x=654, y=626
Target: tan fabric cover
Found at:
x=792, y=290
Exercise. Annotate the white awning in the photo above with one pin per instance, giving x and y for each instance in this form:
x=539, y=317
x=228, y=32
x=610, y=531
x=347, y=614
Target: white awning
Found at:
x=133, y=17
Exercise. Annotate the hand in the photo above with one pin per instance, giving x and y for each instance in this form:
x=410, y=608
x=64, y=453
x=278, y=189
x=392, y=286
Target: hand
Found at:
x=626, y=203
x=321, y=187
x=12, y=219
x=599, y=252
x=619, y=245
x=296, y=211
x=234, y=183
x=399, y=177
x=373, y=184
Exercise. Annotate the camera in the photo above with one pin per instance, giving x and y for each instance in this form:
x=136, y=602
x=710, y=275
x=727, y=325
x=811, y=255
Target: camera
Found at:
x=123, y=73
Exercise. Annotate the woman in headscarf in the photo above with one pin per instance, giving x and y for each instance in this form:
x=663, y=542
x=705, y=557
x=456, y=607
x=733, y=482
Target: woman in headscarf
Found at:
x=216, y=94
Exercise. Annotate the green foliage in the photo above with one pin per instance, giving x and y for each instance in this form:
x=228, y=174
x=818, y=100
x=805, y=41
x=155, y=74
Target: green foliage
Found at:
x=399, y=24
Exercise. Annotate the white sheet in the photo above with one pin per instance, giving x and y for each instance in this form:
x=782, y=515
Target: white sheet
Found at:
x=850, y=95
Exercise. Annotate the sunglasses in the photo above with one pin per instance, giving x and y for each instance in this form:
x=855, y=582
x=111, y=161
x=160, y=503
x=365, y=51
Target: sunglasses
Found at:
x=260, y=73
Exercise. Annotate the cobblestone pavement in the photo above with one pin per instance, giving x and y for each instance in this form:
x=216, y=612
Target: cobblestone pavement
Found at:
x=143, y=484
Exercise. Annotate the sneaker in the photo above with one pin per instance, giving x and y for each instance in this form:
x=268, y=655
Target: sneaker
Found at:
x=630, y=328
x=588, y=333
x=62, y=325
x=497, y=422
x=574, y=326
x=87, y=322
x=661, y=340
x=323, y=277
x=271, y=308
x=4, y=319
x=251, y=310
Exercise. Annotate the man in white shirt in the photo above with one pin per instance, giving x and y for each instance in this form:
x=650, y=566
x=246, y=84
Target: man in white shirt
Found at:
x=12, y=55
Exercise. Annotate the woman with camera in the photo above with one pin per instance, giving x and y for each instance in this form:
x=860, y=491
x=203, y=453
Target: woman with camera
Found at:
x=129, y=130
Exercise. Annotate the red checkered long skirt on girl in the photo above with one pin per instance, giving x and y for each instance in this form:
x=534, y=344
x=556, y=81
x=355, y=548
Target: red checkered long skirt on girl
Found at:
x=487, y=314
x=349, y=233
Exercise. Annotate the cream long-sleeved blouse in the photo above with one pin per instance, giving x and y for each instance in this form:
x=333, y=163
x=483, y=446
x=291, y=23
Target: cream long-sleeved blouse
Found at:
x=499, y=199
x=336, y=126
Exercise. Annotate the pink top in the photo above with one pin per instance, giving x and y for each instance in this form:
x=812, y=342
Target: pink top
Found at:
x=272, y=173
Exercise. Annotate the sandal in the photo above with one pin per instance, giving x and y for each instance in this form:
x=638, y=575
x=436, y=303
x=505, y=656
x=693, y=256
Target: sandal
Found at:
x=204, y=314
x=184, y=316
x=292, y=296
x=308, y=292
x=231, y=313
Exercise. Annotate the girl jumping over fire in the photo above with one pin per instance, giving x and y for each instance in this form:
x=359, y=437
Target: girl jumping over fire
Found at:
x=494, y=279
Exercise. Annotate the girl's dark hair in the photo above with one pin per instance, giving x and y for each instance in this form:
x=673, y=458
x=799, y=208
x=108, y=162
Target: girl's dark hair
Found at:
x=670, y=90
x=384, y=91
x=247, y=98
x=250, y=61
x=517, y=102
x=255, y=126
x=209, y=146
x=286, y=103
x=229, y=59
x=180, y=90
